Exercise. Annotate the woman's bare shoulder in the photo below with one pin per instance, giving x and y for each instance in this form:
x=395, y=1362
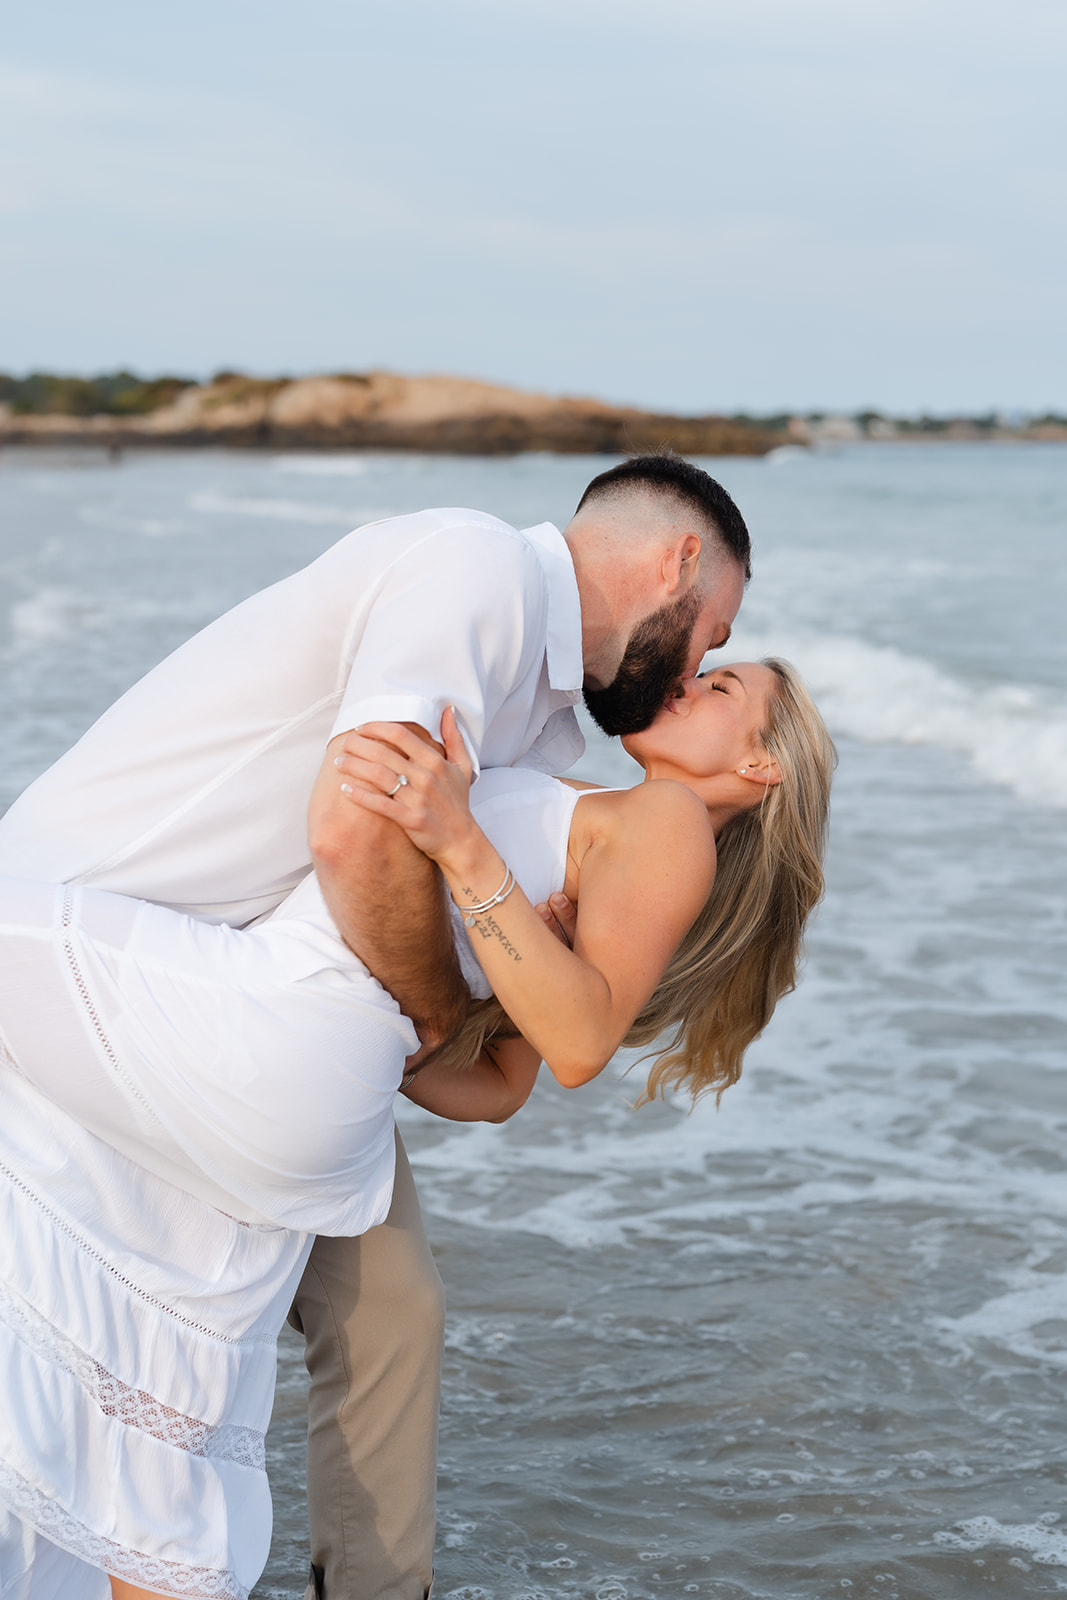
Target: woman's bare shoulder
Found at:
x=658, y=834
x=659, y=805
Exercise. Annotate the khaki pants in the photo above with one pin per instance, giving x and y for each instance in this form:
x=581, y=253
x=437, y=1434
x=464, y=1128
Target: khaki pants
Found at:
x=372, y=1313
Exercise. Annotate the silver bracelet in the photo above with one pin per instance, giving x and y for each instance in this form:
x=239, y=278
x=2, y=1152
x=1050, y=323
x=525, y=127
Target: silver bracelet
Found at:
x=471, y=913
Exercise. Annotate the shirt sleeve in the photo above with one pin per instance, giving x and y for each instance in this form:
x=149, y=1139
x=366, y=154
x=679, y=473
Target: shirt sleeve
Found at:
x=459, y=620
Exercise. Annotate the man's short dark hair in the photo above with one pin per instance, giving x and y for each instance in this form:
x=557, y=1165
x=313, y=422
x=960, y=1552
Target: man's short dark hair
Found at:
x=664, y=472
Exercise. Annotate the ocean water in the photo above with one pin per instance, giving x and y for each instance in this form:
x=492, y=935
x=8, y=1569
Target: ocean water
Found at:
x=814, y=1342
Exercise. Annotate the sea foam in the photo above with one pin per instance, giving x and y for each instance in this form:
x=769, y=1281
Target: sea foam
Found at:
x=1012, y=734
x=1044, y=1543
x=1028, y=1321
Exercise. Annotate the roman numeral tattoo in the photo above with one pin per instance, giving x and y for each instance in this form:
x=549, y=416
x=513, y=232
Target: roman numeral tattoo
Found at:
x=489, y=928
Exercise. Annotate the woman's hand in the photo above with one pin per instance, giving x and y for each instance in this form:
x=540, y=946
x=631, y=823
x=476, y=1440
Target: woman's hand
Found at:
x=492, y=1089
x=400, y=776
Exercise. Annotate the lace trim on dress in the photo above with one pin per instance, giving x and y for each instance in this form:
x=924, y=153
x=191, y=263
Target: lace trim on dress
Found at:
x=63, y=1226
x=224, y=1441
x=64, y=1529
x=86, y=998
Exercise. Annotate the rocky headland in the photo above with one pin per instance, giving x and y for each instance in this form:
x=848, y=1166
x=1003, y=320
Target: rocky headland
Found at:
x=354, y=411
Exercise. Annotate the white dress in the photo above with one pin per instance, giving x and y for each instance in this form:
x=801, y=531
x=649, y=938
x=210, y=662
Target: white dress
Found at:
x=182, y=1107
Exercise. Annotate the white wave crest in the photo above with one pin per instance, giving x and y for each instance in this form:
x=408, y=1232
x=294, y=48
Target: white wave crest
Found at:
x=323, y=466
x=211, y=502
x=50, y=614
x=53, y=614
x=1029, y=1321
x=146, y=527
x=1010, y=734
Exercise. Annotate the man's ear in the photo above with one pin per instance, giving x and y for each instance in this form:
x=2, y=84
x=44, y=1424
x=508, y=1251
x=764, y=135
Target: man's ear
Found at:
x=680, y=562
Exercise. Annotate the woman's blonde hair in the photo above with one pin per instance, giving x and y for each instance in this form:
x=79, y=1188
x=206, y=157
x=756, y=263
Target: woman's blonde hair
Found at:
x=744, y=949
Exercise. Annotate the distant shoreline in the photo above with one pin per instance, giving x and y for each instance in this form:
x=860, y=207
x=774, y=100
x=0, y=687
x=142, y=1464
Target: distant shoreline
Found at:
x=460, y=416
x=360, y=411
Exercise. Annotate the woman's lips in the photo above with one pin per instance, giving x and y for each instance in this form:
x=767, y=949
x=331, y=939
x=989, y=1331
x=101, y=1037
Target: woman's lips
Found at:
x=681, y=693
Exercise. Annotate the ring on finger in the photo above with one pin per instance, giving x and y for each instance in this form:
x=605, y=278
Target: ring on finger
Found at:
x=401, y=782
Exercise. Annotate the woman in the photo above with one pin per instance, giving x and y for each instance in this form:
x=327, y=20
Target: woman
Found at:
x=183, y=1104
x=696, y=886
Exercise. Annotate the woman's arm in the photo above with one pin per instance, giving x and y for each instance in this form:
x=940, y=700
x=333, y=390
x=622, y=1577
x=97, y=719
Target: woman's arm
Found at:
x=644, y=877
x=490, y=1090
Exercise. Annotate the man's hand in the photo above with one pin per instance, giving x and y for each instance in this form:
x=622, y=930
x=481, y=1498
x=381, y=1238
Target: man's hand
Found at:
x=561, y=915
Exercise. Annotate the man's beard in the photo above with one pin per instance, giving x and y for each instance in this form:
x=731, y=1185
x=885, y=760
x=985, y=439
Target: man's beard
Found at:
x=650, y=672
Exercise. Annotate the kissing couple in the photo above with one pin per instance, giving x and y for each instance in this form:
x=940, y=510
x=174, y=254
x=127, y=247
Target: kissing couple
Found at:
x=319, y=855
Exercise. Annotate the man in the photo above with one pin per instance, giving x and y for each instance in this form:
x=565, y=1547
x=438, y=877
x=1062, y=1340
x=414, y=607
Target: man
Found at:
x=194, y=790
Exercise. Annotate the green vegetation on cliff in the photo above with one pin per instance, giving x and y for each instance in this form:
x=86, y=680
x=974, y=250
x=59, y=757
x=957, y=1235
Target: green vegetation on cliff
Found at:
x=111, y=394
x=383, y=410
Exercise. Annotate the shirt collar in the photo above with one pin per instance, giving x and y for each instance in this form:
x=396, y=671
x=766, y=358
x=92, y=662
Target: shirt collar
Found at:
x=563, y=649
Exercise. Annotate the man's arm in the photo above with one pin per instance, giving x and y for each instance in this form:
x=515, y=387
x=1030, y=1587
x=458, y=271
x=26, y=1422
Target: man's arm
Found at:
x=389, y=903
x=461, y=621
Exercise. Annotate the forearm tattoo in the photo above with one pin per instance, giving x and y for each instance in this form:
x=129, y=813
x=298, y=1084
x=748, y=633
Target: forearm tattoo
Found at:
x=489, y=928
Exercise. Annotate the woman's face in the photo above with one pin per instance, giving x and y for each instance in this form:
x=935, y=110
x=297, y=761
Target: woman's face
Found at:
x=713, y=728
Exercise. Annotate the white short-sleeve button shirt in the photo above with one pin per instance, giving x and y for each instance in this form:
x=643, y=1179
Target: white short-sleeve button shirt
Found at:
x=192, y=790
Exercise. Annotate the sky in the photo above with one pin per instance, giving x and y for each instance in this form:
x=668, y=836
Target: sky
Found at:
x=696, y=205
